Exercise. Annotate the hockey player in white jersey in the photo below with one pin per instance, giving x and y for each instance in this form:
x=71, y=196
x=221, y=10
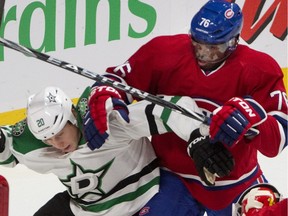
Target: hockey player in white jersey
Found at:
x=121, y=174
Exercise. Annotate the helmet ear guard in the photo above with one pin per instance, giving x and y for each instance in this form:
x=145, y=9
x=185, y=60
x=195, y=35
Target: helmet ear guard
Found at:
x=48, y=112
x=233, y=42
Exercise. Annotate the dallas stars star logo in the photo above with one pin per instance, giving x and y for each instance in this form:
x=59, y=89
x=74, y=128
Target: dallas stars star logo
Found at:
x=51, y=98
x=82, y=183
x=19, y=128
x=82, y=106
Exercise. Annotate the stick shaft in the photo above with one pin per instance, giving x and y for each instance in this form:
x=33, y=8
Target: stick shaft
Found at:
x=102, y=79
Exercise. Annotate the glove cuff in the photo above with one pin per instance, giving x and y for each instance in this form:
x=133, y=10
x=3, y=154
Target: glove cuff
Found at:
x=195, y=140
x=259, y=110
x=98, y=91
x=250, y=108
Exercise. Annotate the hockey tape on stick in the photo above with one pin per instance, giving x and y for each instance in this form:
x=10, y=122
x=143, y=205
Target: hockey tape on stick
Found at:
x=104, y=80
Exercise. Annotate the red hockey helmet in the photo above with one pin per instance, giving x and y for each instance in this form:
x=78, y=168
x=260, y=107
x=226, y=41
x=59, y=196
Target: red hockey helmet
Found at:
x=255, y=198
x=215, y=31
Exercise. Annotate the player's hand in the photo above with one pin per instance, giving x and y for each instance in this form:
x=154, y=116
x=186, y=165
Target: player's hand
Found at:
x=102, y=102
x=2, y=141
x=209, y=158
x=231, y=122
x=94, y=138
x=126, y=97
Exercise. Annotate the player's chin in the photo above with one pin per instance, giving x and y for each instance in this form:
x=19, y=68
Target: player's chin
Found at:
x=204, y=64
x=207, y=65
x=69, y=148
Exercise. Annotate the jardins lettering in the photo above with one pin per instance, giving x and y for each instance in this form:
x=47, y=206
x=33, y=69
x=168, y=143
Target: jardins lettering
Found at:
x=136, y=8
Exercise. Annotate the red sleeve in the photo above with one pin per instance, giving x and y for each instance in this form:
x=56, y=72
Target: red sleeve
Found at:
x=152, y=66
x=267, y=88
x=268, y=142
x=140, y=67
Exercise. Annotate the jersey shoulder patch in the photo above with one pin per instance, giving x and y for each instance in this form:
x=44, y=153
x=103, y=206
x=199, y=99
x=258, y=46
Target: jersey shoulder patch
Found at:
x=19, y=128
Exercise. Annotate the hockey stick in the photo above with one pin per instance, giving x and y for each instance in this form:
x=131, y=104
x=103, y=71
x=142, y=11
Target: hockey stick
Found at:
x=104, y=80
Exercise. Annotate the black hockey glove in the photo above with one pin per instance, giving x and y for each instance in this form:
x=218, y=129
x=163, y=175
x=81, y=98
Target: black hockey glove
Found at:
x=2, y=141
x=211, y=159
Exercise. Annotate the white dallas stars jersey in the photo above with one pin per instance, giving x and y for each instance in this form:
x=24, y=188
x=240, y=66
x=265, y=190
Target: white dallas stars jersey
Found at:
x=117, y=179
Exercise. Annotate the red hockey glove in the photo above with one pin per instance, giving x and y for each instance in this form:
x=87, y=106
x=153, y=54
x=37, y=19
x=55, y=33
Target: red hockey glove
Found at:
x=211, y=159
x=126, y=97
x=231, y=122
x=102, y=101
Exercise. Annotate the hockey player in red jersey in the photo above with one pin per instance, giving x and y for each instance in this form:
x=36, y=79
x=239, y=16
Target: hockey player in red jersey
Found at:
x=261, y=200
x=241, y=89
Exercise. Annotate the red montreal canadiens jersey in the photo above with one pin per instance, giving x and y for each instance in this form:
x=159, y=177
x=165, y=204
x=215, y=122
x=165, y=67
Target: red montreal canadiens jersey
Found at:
x=167, y=65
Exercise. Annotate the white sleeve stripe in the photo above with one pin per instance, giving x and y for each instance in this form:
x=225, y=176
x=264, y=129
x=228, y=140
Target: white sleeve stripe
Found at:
x=282, y=138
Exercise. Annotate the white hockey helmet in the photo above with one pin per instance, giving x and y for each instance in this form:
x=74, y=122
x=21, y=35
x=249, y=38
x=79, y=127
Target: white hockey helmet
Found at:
x=48, y=112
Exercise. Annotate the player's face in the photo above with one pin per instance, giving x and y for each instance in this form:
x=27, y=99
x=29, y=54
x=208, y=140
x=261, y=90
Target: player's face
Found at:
x=210, y=56
x=67, y=139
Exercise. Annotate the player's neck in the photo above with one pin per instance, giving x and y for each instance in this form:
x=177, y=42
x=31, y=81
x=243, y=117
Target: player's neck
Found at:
x=213, y=69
